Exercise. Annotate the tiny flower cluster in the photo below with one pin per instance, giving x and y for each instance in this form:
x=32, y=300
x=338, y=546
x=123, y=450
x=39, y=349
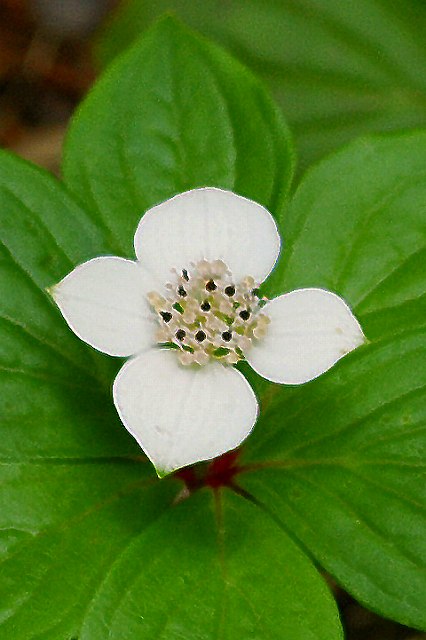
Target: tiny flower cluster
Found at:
x=208, y=313
x=205, y=316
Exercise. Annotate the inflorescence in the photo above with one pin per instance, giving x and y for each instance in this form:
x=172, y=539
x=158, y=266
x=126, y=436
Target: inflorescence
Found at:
x=206, y=316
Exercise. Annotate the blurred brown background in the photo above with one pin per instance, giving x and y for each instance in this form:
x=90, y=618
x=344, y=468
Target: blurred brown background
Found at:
x=46, y=68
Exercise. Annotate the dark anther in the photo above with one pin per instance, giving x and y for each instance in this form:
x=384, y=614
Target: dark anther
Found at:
x=227, y=336
x=200, y=336
x=185, y=275
x=244, y=314
x=230, y=290
x=180, y=334
x=166, y=315
x=181, y=291
x=211, y=286
x=206, y=306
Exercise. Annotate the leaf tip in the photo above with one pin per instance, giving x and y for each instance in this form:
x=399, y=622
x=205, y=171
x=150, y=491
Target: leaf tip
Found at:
x=169, y=23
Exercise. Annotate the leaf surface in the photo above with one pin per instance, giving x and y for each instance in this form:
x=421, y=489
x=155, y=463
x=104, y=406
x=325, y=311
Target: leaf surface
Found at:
x=79, y=503
x=54, y=390
x=341, y=460
x=337, y=69
x=175, y=113
x=212, y=571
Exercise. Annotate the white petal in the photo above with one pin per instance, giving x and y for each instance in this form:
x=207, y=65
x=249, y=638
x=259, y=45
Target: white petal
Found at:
x=310, y=330
x=208, y=224
x=183, y=414
x=104, y=302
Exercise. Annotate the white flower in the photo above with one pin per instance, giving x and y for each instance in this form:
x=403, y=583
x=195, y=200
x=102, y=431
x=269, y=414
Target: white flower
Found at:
x=187, y=310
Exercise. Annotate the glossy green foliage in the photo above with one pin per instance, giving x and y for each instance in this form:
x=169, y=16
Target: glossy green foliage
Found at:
x=48, y=377
x=340, y=462
x=173, y=114
x=346, y=453
x=206, y=570
x=357, y=226
x=338, y=68
x=91, y=542
x=92, y=545
x=83, y=542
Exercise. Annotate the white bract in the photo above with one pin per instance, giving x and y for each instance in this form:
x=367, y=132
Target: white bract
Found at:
x=187, y=310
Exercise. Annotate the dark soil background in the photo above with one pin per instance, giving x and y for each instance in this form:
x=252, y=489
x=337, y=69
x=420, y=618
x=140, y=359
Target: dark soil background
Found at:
x=46, y=68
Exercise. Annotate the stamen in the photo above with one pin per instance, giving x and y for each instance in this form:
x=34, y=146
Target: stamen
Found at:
x=219, y=268
x=198, y=326
x=230, y=290
x=185, y=357
x=155, y=300
x=201, y=357
x=211, y=286
x=182, y=292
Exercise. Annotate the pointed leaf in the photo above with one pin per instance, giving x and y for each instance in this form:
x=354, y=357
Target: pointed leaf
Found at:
x=174, y=113
x=63, y=524
x=341, y=463
x=357, y=227
x=343, y=456
x=47, y=376
x=338, y=69
x=190, y=576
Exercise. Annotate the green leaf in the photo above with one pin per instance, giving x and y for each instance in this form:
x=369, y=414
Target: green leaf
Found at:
x=357, y=226
x=340, y=461
x=69, y=473
x=88, y=536
x=63, y=525
x=338, y=69
x=48, y=377
x=74, y=489
x=74, y=492
x=212, y=571
x=174, y=113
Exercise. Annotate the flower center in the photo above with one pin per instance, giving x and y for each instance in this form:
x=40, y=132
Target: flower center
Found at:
x=206, y=316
